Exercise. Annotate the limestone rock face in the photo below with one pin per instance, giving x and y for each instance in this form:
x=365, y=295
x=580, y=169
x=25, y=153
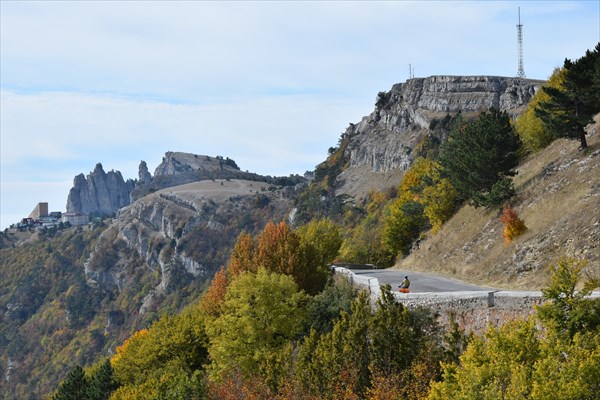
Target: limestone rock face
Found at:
x=179, y=168
x=144, y=176
x=179, y=163
x=381, y=146
x=173, y=232
x=99, y=192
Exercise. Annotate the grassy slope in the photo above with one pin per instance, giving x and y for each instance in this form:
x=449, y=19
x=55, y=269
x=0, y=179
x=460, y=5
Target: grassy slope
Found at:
x=558, y=197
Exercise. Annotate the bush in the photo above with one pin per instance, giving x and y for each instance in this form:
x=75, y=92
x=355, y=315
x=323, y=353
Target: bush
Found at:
x=513, y=225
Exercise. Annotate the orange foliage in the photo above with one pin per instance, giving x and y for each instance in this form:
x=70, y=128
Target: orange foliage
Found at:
x=277, y=249
x=411, y=384
x=513, y=225
x=242, y=255
x=235, y=387
x=384, y=387
x=213, y=299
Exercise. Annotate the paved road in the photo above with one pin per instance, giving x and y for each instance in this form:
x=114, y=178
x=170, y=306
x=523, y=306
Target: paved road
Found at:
x=419, y=281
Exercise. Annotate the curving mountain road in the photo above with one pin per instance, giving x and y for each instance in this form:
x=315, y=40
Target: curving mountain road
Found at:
x=420, y=282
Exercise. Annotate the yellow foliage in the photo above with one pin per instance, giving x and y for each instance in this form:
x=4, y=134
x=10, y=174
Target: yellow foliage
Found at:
x=528, y=126
x=439, y=201
x=132, y=341
x=513, y=225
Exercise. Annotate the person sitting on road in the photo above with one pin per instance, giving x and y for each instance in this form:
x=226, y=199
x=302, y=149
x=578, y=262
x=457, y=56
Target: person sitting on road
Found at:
x=405, y=283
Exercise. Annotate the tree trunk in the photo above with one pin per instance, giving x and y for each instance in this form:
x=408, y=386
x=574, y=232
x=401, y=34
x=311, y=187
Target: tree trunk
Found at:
x=583, y=140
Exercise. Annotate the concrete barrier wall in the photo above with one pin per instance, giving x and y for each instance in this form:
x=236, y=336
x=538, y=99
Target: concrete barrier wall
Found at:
x=361, y=281
x=473, y=310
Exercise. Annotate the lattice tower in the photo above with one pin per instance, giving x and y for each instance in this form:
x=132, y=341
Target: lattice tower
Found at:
x=520, y=70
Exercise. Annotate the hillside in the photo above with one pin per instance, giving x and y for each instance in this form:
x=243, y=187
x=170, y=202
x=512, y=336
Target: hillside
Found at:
x=160, y=251
x=558, y=197
x=72, y=296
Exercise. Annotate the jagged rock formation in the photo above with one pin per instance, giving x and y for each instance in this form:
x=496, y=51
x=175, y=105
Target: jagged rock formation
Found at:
x=144, y=177
x=381, y=146
x=100, y=193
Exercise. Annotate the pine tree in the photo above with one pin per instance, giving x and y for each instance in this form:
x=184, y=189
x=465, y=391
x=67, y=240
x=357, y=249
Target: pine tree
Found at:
x=479, y=158
x=571, y=107
x=102, y=382
x=73, y=387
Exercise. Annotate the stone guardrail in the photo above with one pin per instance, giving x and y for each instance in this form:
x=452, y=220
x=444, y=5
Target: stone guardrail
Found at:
x=442, y=301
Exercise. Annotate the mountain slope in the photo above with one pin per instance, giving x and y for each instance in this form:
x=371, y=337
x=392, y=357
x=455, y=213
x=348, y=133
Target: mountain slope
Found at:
x=558, y=197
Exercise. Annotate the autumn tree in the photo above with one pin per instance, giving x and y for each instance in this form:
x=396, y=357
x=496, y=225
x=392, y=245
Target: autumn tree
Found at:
x=479, y=157
x=425, y=199
x=513, y=225
x=425, y=184
x=174, y=347
x=212, y=301
x=363, y=243
x=534, y=134
x=573, y=105
x=520, y=361
x=402, y=224
x=261, y=313
x=322, y=240
x=241, y=258
x=567, y=369
x=498, y=365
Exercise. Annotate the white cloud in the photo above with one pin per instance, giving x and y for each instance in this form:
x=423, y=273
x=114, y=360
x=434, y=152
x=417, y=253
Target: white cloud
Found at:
x=269, y=84
x=58, y=135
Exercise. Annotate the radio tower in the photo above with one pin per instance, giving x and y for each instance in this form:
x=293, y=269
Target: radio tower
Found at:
x=521, y=70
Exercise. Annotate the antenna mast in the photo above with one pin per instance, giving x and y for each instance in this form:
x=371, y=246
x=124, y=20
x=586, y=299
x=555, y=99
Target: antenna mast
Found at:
x=520, y=70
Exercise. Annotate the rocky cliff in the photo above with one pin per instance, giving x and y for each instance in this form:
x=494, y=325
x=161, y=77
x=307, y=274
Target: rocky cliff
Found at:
x=178, y=168
x=380, y=147
x=144, y=176
x=184, y=233
x=104, y=193
x=99, y=193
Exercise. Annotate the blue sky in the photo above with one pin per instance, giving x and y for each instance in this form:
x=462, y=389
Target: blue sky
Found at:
x=270, y=84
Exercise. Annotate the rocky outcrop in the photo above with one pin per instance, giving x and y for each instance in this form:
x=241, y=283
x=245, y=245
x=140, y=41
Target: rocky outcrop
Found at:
x=382, y=145
x=144, y=177
x=183, y=233
x=178, y=168
x=99, y=193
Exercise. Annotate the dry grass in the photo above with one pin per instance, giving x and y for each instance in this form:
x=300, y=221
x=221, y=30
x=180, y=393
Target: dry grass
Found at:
x=558, y=197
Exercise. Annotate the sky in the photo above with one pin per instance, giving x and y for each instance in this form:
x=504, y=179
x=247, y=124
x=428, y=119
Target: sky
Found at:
x=269, y=84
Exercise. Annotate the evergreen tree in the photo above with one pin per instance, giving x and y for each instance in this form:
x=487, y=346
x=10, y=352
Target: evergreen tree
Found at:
x=73, y=387
x=393, y=342
x=479, y=158
x=571, y=107
x=102, y=382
